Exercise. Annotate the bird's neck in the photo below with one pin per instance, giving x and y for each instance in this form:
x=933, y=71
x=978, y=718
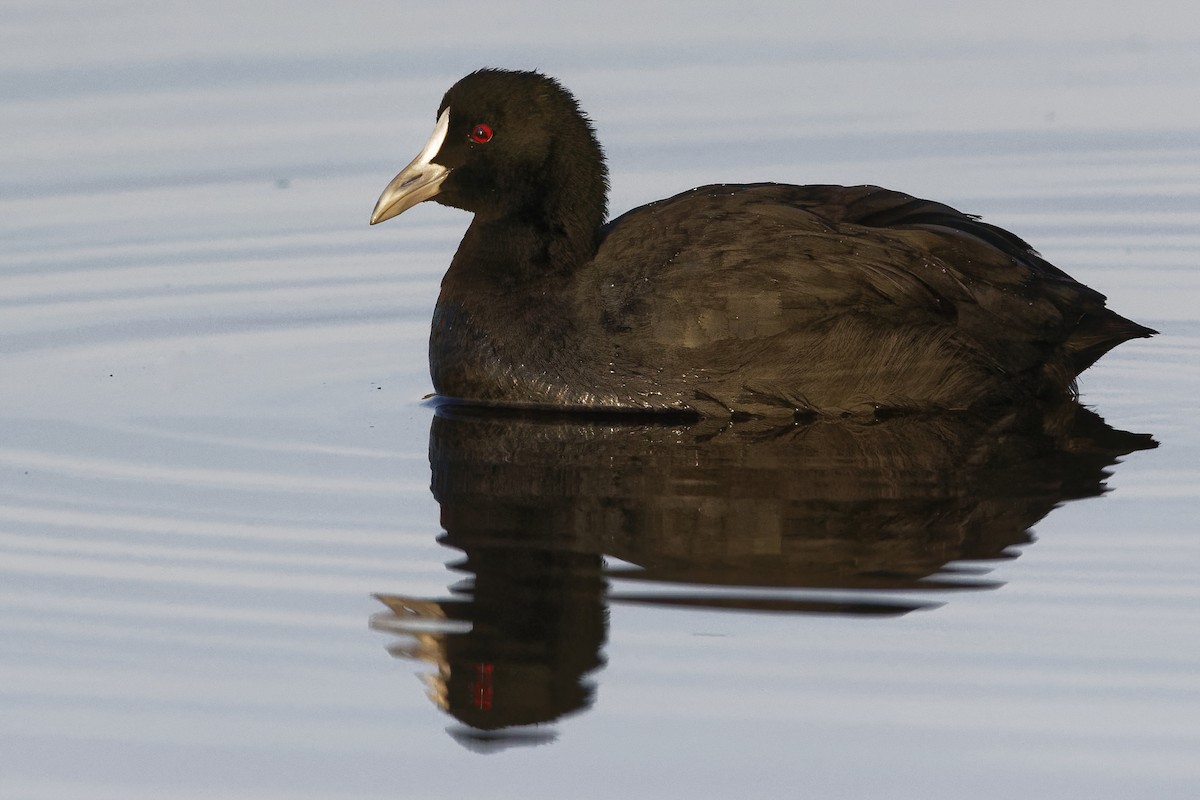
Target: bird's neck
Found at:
x=531, y=245
x=551, y=221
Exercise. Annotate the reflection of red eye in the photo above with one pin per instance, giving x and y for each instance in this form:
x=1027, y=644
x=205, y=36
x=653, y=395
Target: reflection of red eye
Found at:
x=481, y=133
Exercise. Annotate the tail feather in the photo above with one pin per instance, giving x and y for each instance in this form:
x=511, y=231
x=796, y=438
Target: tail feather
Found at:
x=1096, y=334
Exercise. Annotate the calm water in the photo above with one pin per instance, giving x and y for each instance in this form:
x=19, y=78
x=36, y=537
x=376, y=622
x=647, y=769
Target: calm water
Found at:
x=224, y=573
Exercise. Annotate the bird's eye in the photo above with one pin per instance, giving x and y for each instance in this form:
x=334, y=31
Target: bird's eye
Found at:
x=481, y=133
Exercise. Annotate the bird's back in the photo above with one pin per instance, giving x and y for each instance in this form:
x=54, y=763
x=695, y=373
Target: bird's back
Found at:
x=767, y=297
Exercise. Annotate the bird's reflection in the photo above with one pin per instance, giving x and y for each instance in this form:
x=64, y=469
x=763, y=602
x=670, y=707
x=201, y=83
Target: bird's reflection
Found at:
x=840, y=516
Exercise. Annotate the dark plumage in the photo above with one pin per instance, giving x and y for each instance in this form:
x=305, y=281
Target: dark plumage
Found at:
x=762, y=299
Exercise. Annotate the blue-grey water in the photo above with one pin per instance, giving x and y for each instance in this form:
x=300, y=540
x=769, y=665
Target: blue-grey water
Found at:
x=214, y=454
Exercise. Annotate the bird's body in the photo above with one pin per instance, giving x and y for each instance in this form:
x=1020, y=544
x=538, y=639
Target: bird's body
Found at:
x=760, y=299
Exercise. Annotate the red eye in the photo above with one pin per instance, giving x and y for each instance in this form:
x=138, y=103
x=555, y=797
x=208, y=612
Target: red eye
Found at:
x=481, y=133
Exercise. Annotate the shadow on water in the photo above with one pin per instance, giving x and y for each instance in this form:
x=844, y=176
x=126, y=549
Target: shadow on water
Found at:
x=840, y=517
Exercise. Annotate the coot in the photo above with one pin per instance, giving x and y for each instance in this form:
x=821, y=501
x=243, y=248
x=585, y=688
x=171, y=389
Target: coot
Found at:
x=731, y=300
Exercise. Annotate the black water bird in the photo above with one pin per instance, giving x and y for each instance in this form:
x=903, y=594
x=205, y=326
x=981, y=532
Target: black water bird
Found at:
x=728, y=300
